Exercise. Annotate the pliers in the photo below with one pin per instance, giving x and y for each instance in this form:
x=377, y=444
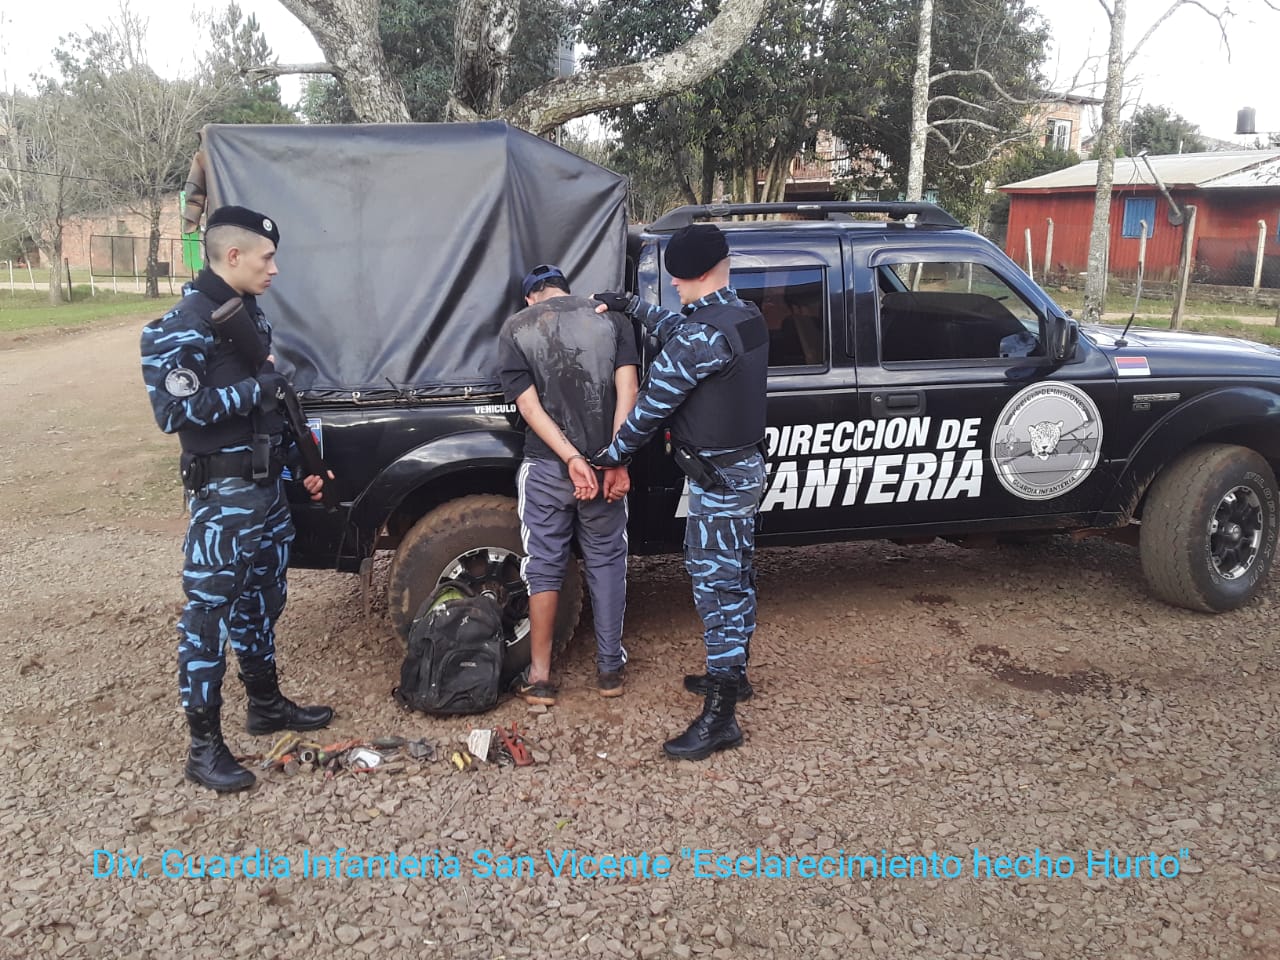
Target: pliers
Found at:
x=513, y=740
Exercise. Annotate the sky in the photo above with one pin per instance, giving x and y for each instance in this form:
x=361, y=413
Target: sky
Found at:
x=1185, y=65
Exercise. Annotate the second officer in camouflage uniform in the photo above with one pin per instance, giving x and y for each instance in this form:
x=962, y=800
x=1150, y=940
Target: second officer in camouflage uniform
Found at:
x=710, y=380
x=234, y=445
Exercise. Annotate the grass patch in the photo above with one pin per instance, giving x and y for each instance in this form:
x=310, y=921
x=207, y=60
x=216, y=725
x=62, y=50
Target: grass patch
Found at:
x=1219, y=326
x=30, y=310
x=1158, y=308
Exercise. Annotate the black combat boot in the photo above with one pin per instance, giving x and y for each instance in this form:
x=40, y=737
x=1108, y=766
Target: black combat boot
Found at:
x=270, y=710
x=716, y=728
x=209, y=762
x=699, y=683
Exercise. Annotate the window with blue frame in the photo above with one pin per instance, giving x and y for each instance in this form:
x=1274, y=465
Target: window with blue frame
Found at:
x=1137, y=209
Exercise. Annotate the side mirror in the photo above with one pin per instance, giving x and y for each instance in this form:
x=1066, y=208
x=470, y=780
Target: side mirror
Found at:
x=1063, y=336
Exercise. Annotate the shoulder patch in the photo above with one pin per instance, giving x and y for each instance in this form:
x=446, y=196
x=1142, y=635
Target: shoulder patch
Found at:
x=181, y=382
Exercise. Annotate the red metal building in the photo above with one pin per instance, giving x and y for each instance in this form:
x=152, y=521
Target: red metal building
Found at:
x=1231, y=192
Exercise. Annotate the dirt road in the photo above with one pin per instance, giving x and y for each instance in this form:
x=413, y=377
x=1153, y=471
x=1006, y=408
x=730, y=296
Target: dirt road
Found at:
x=912, y=701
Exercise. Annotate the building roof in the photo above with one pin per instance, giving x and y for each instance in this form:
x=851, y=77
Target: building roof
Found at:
x=1234, y=168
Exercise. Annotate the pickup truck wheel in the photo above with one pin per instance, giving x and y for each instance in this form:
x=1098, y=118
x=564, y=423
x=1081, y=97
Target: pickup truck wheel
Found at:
x=1209, y=528
x=476, y=539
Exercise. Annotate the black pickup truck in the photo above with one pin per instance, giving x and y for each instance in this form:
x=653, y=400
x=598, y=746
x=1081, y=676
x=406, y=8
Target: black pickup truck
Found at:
x=920, y=386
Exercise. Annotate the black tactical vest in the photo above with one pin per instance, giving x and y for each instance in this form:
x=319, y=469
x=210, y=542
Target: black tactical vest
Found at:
x=727, y=409
x=223, y=367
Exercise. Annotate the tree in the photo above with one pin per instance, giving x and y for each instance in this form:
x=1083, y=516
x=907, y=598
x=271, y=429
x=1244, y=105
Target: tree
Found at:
x=418, y=43
x=1158, y=130
x=42, y=174
x=744, y=124
x=236, y=44
x=983, y=76
x=143, y=125
x=1118, y=64
x=969, y=115
x=348, y=33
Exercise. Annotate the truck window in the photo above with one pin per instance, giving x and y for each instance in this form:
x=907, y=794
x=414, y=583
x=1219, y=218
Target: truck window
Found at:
x=793, y=303
x=952, y=311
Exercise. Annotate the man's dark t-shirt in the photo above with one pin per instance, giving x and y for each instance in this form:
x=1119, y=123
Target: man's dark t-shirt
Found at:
x=569, y=353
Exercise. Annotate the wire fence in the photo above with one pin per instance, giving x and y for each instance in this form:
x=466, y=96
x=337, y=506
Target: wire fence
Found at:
x=1241, y=268
x=113, y=259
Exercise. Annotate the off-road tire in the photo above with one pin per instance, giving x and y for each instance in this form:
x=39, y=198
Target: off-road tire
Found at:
x=1176, y=543
x=447, y=532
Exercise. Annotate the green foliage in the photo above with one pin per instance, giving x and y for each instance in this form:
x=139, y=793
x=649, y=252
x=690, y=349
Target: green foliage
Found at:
x=744, y=124
x=1005, y=38
x=15, y=240
x=843, y=66
x=1159, y=130
x=235, y=44
x=1022, y=163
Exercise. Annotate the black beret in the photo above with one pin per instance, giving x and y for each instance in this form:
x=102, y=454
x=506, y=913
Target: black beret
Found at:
x=248, y=219
x=695, y=249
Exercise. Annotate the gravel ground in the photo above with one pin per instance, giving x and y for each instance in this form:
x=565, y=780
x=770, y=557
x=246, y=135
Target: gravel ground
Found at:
x=914, y=700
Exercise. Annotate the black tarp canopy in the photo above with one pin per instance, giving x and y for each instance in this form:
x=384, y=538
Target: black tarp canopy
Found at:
x=402, y=245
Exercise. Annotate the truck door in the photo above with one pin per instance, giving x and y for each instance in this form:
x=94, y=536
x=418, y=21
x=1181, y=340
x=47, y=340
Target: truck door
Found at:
x=962, y=419
x=800, y=289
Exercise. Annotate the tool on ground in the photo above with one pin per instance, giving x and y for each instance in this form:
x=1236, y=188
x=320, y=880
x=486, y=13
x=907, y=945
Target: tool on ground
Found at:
x=513, y=743
x=280, y=749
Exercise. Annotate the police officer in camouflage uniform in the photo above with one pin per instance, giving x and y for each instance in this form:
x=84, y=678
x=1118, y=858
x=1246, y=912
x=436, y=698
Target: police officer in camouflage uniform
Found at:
x=710, y=381
x=234, y=445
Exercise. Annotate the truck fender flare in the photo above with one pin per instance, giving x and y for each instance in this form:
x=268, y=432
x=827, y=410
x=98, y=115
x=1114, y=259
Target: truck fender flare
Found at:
x=1181, y=428
x=453, y=453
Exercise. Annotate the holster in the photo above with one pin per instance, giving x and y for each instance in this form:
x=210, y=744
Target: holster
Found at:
x=701, y=470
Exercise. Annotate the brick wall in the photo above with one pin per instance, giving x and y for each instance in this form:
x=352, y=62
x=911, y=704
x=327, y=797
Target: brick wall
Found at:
x=76, y=234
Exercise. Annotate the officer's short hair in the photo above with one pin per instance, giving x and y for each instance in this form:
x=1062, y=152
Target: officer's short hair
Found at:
x=221, y=237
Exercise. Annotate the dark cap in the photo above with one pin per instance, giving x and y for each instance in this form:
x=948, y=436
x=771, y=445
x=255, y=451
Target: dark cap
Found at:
x=695, y=249
x=540, y=274
x=246, y=219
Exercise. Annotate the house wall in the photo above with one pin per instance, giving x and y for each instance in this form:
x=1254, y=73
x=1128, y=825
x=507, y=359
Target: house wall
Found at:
x=1226, y=233
x=77, y=234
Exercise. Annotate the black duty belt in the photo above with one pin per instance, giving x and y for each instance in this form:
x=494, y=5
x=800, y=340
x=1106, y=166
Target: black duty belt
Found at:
x=731, y=457
x=199, y=469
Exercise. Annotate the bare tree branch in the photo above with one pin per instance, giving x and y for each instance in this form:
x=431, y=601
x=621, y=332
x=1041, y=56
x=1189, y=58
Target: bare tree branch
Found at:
x=986, y=74
x=1219, y=18
x=261, y=74
x=947, y=98
x=559, y=101
x=1106, y=9
x=965, y=122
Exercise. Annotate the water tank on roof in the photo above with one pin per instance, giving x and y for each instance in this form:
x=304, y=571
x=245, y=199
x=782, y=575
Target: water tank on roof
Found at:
x=1245, y=121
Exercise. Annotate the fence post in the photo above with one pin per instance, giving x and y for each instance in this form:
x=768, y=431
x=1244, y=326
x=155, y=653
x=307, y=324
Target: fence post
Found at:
x=1257, y=261
x=1048, y=250
x=11, y=290
x=1185, y=268
x=1030, y=266
x=1142, y=248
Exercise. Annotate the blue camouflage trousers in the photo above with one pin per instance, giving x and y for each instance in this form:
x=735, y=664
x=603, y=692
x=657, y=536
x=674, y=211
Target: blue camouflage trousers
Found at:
x=237, y=554
x=719, y=553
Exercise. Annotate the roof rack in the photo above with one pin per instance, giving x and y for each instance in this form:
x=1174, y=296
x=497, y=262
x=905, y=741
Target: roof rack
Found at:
x=925, y=213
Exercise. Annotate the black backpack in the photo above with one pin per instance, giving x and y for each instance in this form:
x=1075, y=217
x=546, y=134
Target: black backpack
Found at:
x=456, y=646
